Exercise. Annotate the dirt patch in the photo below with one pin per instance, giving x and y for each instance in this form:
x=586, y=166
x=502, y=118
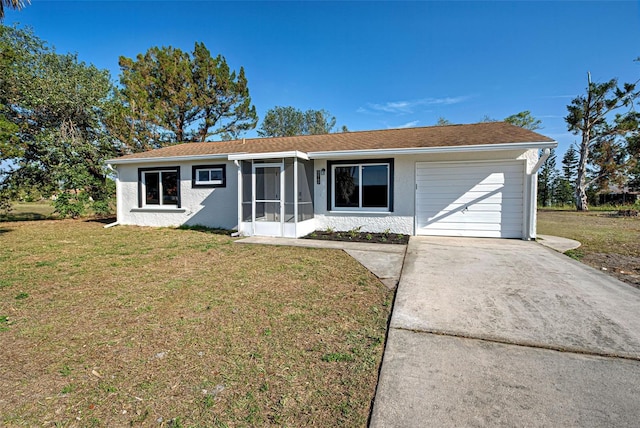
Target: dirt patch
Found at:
x=625, y=268
x=627, y=213
x=353, y=236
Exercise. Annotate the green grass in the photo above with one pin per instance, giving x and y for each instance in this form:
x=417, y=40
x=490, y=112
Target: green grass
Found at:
x=592, y=208
x=65, y=371
x=131, y=326
x=21, y=296
x=599, y=232
x=609, y=243
x=25, y=211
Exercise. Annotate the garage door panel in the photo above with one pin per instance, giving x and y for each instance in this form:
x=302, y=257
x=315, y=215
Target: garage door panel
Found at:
x=466, y=218
x=474, y=226
x=466, y=183
x=494, y=177
x=491, y=207
x=472, y=175
x=486, y=191
x=471, y=216
x=446, y=172
x=471, y=233
x=460, y=186
x=431, y=209
x=470, y=199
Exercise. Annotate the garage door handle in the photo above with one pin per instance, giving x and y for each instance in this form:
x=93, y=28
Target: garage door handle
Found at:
x=466, y=208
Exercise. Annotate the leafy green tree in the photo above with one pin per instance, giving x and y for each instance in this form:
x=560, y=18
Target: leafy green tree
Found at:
x=633, y=148
x=318, y=122
x=222, y=96
x=159, y=87
x=170, y=96
x=289, y=121
x=12, y=4
x=525, y=120
x=564, y=192
x=570, y=163
x=602, y=139
x=487, y=119
x=52, y=138
x=547, y=178
x=282, y=122
x=443, y=122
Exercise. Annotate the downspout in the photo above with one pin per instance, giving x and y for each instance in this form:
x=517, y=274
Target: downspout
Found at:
x=118, y=199
x=296, y=200
x=533, y=206
x=541, y=161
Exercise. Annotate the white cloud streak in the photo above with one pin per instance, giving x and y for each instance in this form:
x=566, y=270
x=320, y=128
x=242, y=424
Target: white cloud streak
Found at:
x=405, y=125
x=408, y=106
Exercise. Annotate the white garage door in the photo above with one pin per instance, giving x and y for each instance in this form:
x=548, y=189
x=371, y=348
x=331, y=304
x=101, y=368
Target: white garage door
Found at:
x=483, y=199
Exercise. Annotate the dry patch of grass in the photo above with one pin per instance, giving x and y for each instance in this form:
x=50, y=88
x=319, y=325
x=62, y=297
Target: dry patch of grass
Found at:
x=608, y=241
x=148, y=327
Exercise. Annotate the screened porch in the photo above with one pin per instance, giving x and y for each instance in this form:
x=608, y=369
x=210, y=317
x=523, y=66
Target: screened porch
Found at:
x=276, y=196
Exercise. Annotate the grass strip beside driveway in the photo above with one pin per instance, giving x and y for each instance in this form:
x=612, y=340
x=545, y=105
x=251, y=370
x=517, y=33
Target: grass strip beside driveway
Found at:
x=608, y=241
x=143, y=326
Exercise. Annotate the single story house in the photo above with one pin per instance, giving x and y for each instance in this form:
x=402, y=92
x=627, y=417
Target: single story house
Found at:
x=460, y=180
x=618, y=195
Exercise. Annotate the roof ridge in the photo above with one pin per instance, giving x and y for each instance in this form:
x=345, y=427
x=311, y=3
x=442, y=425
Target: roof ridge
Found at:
x=482, y=133
x=413, y=128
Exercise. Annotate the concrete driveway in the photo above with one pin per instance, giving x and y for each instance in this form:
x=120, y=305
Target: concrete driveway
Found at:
x=508, y=333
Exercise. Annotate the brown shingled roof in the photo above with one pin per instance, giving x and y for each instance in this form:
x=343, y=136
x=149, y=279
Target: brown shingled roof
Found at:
x=434, y=136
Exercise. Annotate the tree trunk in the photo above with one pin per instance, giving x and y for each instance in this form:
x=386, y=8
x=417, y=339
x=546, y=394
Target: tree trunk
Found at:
x=581, y=181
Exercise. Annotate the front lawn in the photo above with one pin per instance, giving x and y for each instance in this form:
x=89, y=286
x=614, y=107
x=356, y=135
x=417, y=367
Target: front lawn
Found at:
x=133, y=326
x=609, y=243
x=23, y=211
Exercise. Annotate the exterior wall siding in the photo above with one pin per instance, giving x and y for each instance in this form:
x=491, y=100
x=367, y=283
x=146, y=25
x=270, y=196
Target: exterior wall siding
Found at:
x=218, y=207
x=211, y=207
x=401, y=220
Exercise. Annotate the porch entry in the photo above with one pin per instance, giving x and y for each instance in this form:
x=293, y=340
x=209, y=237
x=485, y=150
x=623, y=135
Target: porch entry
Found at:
x=277, y=197
x=268, y=201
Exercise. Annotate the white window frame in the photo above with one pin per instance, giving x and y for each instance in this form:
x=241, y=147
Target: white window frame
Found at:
x=360, y=208
x=195, y=179
x=143, y=187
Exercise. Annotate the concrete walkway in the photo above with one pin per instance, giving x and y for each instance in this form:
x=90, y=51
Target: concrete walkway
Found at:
x=489, y=332
x=557, y=243
x=383, y=260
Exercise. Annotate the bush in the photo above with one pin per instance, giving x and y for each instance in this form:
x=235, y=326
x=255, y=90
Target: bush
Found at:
x=71, y=204
x=103, y=207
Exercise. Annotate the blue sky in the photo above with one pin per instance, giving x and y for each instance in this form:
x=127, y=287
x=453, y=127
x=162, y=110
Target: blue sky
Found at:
x=373, y=65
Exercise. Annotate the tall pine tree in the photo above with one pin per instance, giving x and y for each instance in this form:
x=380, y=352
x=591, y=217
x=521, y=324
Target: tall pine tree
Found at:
x=170, y=96
x=546, y=180
x=564, y=191
x=602, y=139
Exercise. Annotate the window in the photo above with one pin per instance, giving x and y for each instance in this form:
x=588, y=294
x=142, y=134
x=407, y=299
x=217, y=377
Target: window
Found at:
x=159, y=187
x=208, y=176
x=365, y=185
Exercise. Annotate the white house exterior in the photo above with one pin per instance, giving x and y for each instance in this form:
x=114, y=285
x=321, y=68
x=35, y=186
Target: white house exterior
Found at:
x=461, y=180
